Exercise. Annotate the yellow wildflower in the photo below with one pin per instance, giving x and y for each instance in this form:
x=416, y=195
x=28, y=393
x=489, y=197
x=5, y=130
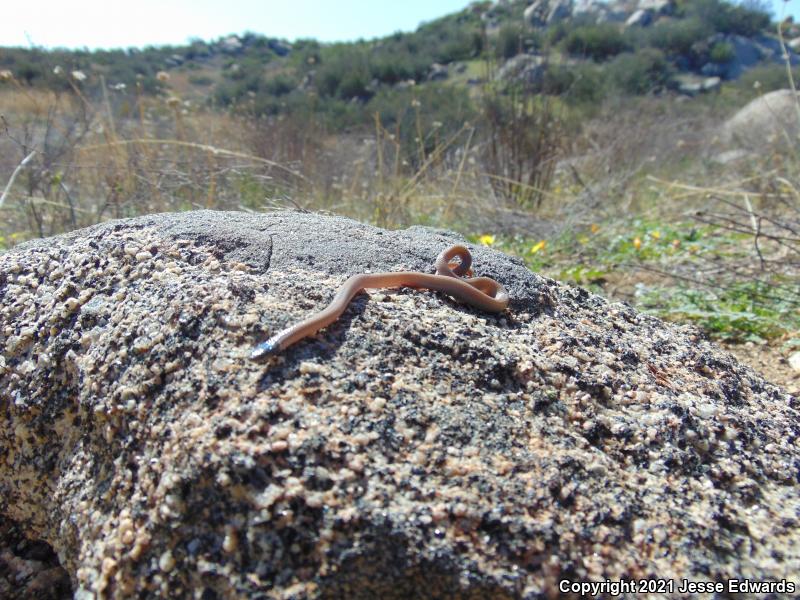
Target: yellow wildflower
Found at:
x=637, y=243
x=537, y=247
x=486, y=239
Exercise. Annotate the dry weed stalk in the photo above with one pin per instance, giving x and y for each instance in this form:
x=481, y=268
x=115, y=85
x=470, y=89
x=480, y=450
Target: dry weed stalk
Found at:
x=524, y=141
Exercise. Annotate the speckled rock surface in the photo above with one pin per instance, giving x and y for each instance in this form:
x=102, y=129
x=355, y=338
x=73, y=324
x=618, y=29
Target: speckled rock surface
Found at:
x=29, y=570
x=416, y=448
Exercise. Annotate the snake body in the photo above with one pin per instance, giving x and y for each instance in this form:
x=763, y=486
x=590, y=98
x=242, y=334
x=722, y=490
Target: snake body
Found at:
x=452, y=278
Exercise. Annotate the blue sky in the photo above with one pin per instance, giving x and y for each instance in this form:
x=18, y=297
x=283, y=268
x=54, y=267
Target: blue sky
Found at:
x=111, y=23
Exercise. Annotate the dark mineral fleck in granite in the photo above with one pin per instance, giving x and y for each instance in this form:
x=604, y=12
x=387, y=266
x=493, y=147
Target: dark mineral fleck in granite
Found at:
x=416, y=448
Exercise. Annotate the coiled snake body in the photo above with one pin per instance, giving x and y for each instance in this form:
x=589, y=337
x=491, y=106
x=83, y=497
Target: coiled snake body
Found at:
x=452, y=278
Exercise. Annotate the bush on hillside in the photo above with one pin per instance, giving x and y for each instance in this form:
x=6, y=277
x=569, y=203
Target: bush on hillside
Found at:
x=36, y=67
x=509, y=41
x=765, y=78
x=201, y=80
x=726, y=17
x=677, y=37
x=721, y=53
x=639, y=73
x=579, y=84
x=306, y=53
x=390, y=67
x=452, y=38
x=280, y=85
x=555, y=34
x=343, y=72
x=598, y=42
x=463, y=47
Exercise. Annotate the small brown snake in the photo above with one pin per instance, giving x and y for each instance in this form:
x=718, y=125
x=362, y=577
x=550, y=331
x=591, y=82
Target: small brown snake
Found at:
x=452, y=278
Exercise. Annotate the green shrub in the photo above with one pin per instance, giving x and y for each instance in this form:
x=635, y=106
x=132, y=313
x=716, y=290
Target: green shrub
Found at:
x=555, y=34
x=390, y=67
x=677, y=37
x=579, y=84
x=354, y=85
x=462, y=47
x=722, y=53
x=249, y=67
x=280, y=85
x=769, y=77
x=725, y=17
x=640, y=72
x=203, y=80
x=343, y=72
x=509, y=41
x=306, y=53
x=28, y=72
x=452, y=38
x=599, y=42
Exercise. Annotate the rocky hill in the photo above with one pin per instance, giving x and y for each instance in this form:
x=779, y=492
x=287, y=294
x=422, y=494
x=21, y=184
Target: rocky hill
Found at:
x=623, y=46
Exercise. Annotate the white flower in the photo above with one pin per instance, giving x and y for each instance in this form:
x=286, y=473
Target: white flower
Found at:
x=79, y=76
x=58, y=70
x=6, y=75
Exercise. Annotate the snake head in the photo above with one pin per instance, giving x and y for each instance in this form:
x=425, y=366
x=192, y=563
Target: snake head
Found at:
x=264, y=350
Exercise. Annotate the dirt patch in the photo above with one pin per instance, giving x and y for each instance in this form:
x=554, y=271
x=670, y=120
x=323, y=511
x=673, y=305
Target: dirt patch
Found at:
x=771, y=361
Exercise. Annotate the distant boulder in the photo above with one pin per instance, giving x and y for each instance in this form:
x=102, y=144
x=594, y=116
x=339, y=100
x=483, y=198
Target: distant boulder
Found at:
x=737, y=155
x=534, y=15
x=619, y=11
x=175, y=60
x=543, y=13
x=231, y=45
x=547, y=12
x=525, y=68
x=589, y=6
x=279, y=47
x=768, y=119
x=658, y=7
x=771, y=47
x=405, y=84
x=690, y=85
x=438, y=72
x=747, y=53
x=640, y=18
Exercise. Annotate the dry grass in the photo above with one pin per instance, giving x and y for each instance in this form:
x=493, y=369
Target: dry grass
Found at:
x=124, y=154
